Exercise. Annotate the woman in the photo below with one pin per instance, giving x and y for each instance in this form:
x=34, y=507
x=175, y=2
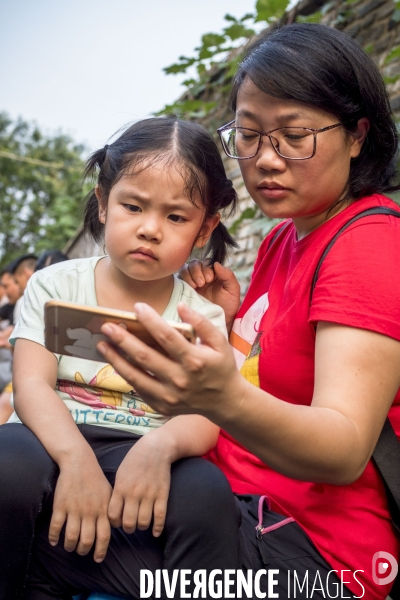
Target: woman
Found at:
x=316, y=144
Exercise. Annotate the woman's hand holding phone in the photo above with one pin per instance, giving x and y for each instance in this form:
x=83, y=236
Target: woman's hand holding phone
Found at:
x=199, y=379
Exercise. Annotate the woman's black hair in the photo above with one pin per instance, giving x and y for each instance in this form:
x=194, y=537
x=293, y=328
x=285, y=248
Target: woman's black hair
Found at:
x=327, y=69
x=190, y=148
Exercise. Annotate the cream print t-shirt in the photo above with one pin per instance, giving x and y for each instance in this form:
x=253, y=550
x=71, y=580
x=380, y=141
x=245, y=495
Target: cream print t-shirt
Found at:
x=93, y=391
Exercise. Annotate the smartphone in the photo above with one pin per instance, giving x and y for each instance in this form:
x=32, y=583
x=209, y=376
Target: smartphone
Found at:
x=75, y=330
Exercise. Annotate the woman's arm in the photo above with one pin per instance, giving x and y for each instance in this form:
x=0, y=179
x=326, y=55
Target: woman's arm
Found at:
x=82, y=492
x=357, y=375
x=142, y=482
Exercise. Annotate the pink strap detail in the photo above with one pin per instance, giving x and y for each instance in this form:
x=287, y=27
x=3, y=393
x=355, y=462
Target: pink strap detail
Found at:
x=277, y=525
x=262, y=530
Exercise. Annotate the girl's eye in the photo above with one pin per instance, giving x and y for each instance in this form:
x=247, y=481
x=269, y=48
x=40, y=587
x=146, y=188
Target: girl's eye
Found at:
x=132, y=207
x=177, y=219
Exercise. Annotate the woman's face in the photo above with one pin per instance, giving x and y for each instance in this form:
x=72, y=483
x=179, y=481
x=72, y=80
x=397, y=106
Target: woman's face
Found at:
x=304, y=190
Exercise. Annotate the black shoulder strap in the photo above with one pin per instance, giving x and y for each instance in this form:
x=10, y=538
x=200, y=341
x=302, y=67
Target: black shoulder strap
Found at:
x=376, y=210
x=387, y=450
x=278, y=232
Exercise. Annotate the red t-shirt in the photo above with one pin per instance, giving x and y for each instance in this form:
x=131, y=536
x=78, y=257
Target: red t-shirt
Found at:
x=359, y=286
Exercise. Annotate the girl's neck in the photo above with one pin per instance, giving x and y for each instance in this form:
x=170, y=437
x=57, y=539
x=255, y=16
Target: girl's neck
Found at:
x=116, y=290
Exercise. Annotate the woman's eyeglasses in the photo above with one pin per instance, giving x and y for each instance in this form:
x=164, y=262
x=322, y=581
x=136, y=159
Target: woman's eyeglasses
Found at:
x=292, y=143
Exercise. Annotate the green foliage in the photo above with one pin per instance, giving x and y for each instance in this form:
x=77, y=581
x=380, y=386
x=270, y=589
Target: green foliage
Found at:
x=40, y=188
x=215, y=49
x=394, y=53
x=248, y=213
x=388, y=79
x=189, y=109
x=270, y=9
x=313, y=18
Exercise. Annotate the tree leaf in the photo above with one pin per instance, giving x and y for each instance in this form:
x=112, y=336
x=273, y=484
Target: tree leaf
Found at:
x=237, y=31
x=266, y=9
x=248, y=213
x=229, y=17
x=206, y=53
x=212, y=39
x=395, y=53
x=314, y=18
x=247, y=16
x=180, y=67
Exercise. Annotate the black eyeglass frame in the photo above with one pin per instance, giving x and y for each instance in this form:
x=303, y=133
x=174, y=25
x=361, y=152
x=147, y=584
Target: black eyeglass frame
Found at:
x=261, y=134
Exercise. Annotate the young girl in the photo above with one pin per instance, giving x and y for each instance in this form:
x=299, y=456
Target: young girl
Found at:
x=92, y=453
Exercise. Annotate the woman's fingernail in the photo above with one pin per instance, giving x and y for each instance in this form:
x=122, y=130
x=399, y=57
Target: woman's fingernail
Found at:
x=101, y=347
x=107, y=329
x=138, y=307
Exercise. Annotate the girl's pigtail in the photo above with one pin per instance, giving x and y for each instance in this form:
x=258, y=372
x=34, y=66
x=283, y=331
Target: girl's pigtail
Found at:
x=219, y=244
x=91, y=221
x=221, y=241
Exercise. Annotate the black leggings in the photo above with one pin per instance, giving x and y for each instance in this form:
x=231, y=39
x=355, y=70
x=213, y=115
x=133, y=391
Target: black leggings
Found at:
x=207, y=527
x=200, y=530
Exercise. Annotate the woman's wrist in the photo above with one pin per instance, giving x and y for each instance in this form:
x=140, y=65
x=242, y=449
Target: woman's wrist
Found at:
x=231, y=407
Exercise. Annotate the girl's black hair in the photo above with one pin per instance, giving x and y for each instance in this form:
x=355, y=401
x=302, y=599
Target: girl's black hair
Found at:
x=190, y=148
x=327, y=69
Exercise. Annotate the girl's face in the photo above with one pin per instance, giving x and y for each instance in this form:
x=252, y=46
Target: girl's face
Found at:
x=304, y=190
x=151, y=226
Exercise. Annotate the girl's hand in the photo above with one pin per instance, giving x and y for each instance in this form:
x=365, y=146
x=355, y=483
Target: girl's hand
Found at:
x=81, y=501
x=193, y=378
x=141, y=488
x=217, y=284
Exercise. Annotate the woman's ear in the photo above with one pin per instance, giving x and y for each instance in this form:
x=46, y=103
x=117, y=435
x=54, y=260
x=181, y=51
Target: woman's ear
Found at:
x=102, y=205
x=358, y=137
x=206, y=230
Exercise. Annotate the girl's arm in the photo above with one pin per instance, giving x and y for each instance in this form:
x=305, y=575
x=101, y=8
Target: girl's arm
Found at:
x=82, y=493
x=143, y=479
x=357, y=376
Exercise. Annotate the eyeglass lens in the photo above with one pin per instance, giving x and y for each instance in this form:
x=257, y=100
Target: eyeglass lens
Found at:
x=290, y=142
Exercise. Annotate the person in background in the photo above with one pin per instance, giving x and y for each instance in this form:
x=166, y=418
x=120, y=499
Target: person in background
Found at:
x=23, y=269
x=3, y=297
x=14, y=278
x=50, y=257
x=12, y=291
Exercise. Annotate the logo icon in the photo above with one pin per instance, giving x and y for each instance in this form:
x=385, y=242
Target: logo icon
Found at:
x=384, y=568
